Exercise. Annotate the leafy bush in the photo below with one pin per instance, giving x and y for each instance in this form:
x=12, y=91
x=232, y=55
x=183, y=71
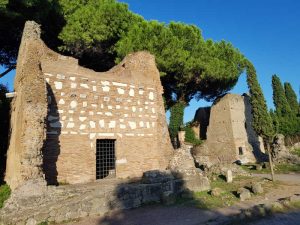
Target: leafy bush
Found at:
x=190, y=135
x=4, y=194
x=176, y=118
x=296, y=152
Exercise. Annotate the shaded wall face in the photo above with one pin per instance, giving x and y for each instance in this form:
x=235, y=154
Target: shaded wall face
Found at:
x=83, y=109
x=202, y=118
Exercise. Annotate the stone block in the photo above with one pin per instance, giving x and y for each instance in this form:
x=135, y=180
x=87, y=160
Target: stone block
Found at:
x=216, y=192
x=229, y=177
x=244, y=194
x=168, y=198
x=256, y=188
x=156, y=176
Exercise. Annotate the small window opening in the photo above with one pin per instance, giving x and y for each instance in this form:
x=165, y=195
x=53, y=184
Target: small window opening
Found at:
x=241, y=152
x=105, y=158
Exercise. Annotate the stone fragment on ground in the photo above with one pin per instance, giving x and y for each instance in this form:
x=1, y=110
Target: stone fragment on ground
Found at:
x=223, y=168
x=229, y=177
x=257, y=188
x=244, y=194
x=258, y=167
x=216, y=192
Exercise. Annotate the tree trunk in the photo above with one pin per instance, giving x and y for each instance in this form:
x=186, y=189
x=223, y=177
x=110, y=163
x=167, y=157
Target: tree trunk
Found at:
x=270, y=161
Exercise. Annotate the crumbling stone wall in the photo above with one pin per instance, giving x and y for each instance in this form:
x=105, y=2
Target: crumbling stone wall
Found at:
x=230, y=136
x=29, y=110
x=81, y=106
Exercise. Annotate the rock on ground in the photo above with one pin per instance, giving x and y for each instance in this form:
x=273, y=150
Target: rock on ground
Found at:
x=256, y=188
x=244, y=194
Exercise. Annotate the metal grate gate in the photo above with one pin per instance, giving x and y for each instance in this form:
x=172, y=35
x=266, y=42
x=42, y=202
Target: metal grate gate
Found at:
x=105, y=158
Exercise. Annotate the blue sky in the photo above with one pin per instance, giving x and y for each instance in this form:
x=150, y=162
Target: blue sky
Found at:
x=266, y=31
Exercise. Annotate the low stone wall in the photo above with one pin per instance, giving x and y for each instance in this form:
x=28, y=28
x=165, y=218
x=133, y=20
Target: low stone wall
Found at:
x=68, y=202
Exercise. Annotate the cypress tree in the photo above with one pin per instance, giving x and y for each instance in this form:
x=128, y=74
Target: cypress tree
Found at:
x=291, y=97
x=275, y=121
x=279, y=99
x=262, y=122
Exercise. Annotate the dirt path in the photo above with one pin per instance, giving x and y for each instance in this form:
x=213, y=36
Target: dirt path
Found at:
x=280, y=219
x=187, y=215
x=285, y=178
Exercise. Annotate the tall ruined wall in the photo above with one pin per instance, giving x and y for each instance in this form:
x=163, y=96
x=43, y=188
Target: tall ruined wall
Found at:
x=29, y=110
x=124, y=104
x=230, y=136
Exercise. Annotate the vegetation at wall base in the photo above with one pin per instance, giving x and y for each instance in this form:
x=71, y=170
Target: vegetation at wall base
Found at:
x=4, y=194
x=296, y=152
x=190, y=136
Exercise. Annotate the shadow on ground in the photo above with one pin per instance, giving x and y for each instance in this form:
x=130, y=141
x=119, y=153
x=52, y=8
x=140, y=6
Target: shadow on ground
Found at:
x=159, y=197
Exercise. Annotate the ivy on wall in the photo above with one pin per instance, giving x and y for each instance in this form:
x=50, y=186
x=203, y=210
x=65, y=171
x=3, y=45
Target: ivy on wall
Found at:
x=190, y=136
x=176, y=118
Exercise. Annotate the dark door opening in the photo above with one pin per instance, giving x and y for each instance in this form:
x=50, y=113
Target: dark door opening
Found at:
x=105, y=158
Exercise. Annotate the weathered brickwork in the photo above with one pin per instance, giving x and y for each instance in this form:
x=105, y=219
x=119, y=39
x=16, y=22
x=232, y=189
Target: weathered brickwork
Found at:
x=124, y=104
x=230, y=135
x=83, y=109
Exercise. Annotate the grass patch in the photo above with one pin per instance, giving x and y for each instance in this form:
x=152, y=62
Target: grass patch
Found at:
x=278, y=168
x=4, y=194
x=296, y=152
x=295, y=205
x=287, y=168
x=43, y=223
x=228, y=197
x=205, y=200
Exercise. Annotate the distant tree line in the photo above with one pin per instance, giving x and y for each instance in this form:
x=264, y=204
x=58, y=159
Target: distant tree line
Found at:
x=286, y=116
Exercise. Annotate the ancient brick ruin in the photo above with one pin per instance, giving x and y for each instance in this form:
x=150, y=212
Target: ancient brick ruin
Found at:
x=228, y=131
x=67, y=120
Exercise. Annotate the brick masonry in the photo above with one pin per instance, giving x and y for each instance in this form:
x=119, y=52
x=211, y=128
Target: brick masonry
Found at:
x=124, y=104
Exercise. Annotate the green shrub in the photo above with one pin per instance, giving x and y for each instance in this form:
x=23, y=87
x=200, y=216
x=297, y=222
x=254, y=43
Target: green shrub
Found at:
x=4, y=194
x=190, y=136
x=296, y=152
